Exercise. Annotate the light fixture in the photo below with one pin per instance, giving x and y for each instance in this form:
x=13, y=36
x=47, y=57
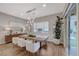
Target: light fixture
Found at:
x=30, y=16
x=44, y=5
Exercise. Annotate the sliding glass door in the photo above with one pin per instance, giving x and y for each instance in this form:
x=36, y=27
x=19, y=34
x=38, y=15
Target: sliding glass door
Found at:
x=72, y=25
x=72, y=35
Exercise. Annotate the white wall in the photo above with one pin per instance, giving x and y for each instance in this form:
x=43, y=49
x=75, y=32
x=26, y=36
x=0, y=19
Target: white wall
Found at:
x=15, y=21
x=52, y=20
x=2, y=38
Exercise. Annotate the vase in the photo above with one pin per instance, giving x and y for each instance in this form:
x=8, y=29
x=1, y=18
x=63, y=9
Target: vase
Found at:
x=56, y=41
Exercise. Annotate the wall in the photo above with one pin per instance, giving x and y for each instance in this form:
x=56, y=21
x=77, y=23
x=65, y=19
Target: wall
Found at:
x=15, y=21
x=2, y=38
x=4, y=19
x=52, y=20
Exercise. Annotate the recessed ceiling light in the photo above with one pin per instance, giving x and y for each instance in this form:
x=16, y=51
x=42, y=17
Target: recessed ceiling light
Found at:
x=44, y=5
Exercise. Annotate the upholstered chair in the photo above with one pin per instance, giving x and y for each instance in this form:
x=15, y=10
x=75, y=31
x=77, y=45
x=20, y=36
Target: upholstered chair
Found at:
x=21, y=42
x=32, y=47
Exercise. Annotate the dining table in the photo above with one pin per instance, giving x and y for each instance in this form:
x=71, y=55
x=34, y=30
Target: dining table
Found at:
x=38, y=38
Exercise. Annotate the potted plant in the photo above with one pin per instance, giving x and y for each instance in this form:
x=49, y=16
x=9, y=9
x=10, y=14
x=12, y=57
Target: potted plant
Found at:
x=58, y=29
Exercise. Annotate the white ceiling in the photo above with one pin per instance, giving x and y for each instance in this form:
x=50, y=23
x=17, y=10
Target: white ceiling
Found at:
x=19, y=9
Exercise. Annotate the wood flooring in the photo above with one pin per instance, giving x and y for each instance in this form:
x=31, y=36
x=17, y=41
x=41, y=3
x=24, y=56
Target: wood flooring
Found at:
x=49, y=50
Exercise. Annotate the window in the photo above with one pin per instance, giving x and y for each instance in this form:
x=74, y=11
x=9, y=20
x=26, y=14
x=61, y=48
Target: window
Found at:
x=41, y=27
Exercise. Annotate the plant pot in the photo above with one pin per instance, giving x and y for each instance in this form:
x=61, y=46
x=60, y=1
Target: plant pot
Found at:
x=56, y=41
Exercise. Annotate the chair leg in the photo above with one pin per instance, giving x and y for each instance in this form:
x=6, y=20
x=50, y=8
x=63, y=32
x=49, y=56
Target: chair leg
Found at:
x=38, y=53
x=33, y=54
x=28, y=53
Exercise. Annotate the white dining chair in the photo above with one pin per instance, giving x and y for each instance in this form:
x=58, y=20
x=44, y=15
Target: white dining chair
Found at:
x=15, y=40
x=32, y=47
x=21, y=42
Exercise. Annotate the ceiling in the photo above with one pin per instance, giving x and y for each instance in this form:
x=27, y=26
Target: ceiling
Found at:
x=20, y=9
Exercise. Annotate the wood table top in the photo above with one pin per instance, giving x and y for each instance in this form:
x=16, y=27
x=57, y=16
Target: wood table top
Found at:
x=32, y=38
